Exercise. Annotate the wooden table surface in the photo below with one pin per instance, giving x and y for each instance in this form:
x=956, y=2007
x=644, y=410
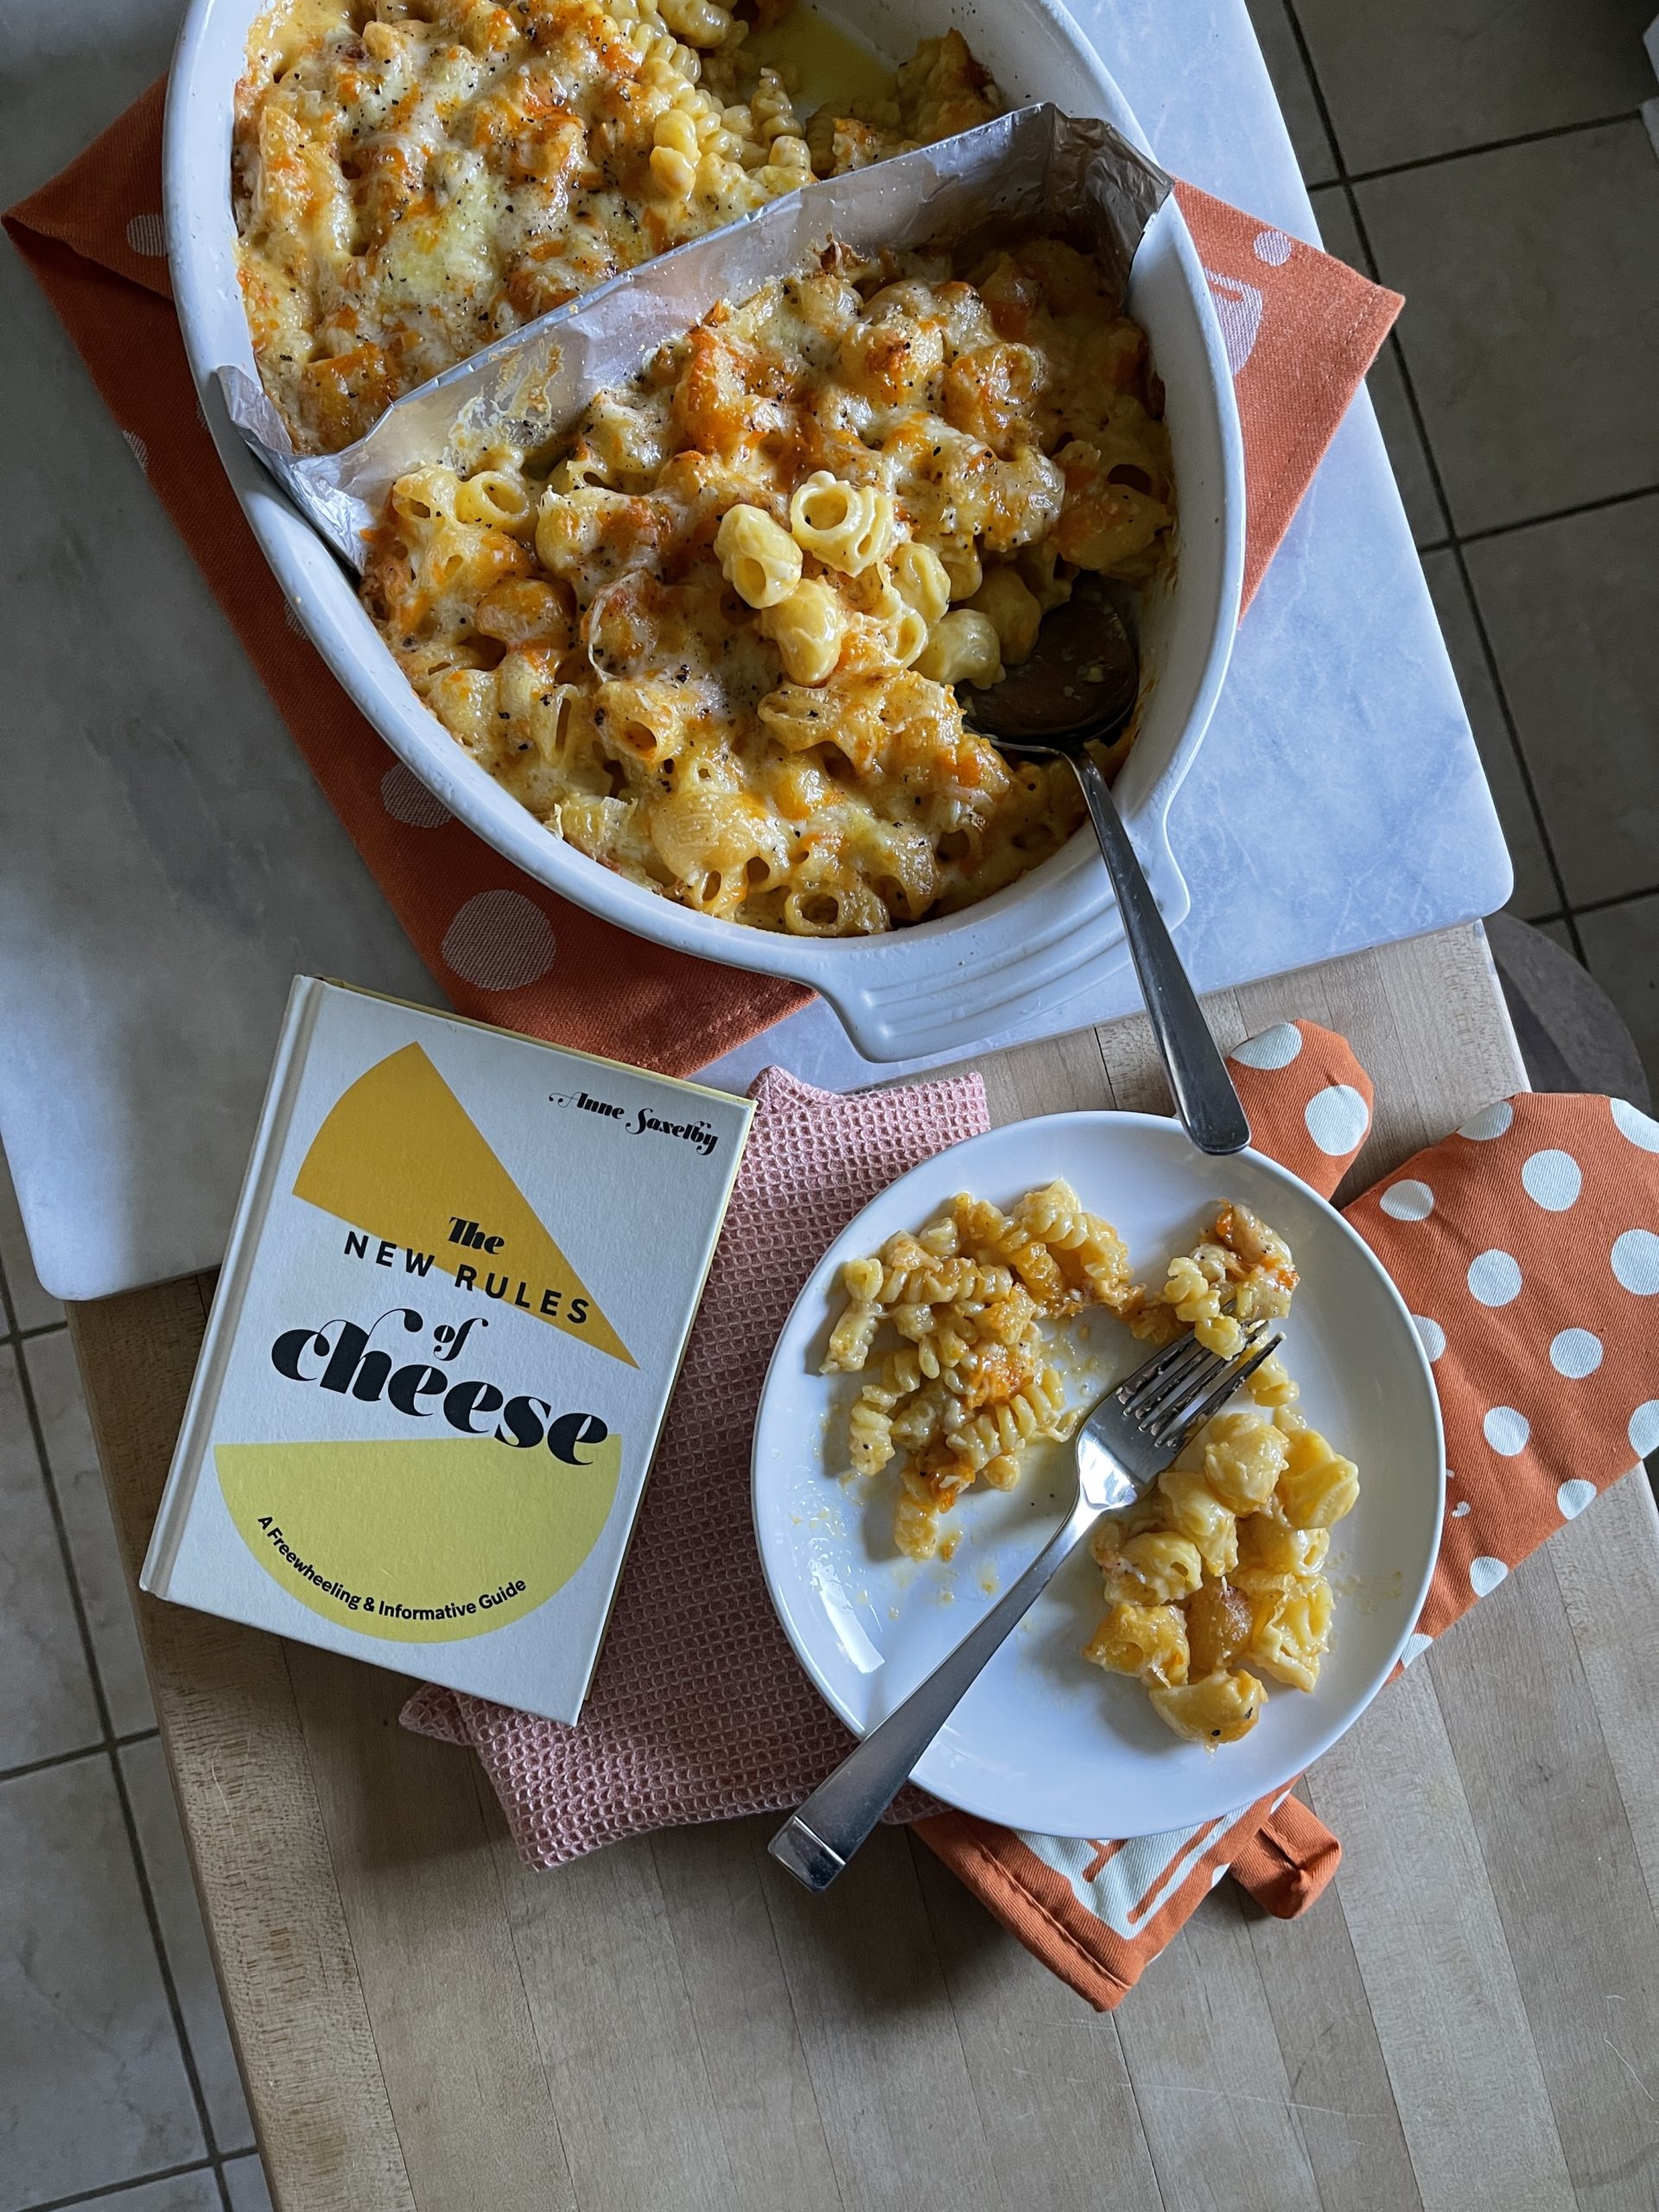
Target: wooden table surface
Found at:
x=1470, y=2018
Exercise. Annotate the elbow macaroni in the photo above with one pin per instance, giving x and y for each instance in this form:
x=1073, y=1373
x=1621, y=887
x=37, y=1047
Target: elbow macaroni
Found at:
x=1010, y=606
x=962, y=647
x=761, y=563
x=713, y=636
x=806, y=627
x=921, y=579
x=848, y=526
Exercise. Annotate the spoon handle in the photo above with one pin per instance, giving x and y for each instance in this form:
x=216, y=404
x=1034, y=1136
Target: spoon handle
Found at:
x=1205, y=1097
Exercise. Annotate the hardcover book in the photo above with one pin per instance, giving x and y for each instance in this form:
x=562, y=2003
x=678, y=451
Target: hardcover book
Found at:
x=462, y=1272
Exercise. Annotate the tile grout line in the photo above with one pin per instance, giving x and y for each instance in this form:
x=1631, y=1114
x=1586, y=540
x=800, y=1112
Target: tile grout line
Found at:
x=15, y=1337
x=68, y=1759
x=215, y=2165
x=1437, y=482
x=1529, y=782
x=1456, y=537
x=1618, y=899
x=7, y=1311
x=141, y=1871
x=14, y=1332
x=1340, y=175
x=1462, y=153
x=1500, y=691
x=164, y=1964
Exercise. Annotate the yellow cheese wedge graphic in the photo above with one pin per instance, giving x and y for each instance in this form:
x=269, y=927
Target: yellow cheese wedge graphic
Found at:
x=425, y=1541
x=397, y=1155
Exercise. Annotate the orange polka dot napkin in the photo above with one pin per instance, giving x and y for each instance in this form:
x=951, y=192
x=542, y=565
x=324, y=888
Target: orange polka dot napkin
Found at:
x=1527, y=1246
x=1300, y=328
x=1541, y=1350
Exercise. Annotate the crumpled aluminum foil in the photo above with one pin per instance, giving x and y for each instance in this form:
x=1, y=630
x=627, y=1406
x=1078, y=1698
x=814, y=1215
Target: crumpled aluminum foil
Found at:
x=1036, y=168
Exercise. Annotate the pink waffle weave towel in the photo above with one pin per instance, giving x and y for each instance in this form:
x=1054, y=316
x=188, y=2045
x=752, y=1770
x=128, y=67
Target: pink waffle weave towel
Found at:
x=699, y=1710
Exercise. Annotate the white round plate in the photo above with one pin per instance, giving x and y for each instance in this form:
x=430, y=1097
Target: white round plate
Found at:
x=1045, y=1741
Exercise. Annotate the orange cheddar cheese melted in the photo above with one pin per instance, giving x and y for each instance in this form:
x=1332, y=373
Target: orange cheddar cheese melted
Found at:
x=713, y=636
x=413, y=178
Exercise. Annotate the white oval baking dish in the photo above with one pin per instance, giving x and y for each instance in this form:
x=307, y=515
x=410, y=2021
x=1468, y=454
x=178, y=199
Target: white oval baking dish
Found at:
x=942, y=986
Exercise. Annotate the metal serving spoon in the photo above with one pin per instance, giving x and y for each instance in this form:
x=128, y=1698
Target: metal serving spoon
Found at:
x=1080, y=683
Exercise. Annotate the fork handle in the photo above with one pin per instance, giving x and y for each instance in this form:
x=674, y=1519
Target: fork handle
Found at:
x=1205, y=1097
x=816, y=1842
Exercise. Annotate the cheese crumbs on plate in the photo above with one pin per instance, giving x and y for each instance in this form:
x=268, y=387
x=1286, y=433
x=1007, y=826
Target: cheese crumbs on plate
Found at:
x=1213, y=1580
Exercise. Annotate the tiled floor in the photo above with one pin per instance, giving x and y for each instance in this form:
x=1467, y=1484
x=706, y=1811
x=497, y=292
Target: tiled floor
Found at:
x=1491, y=163
x=118, y=2085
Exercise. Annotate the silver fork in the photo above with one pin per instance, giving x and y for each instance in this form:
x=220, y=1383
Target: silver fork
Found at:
x=1133, y=1434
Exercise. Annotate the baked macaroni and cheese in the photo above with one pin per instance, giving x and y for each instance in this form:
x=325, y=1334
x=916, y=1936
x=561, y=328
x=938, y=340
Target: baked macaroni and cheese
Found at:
x=413, y=179
x=966, y=1383
x=1213, y=1579
x=713, y=637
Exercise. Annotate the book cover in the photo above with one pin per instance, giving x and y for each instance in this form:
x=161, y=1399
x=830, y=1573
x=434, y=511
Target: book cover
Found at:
x=458, y=1290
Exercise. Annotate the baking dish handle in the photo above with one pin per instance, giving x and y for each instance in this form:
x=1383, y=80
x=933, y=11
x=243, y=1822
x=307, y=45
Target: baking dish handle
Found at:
x=995, y=982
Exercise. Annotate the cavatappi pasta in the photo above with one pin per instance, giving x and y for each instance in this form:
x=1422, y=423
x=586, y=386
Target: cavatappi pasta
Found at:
x=1214, y=1578
x=413, y=179
x=712, y=638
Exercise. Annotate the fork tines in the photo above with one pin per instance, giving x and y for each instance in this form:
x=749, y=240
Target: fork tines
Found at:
x=1163, y=1394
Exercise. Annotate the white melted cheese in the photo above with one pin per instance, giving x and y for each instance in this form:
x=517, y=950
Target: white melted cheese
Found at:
x=408, y=187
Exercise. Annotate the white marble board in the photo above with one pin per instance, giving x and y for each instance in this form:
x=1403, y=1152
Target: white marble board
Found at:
x=166, y=863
